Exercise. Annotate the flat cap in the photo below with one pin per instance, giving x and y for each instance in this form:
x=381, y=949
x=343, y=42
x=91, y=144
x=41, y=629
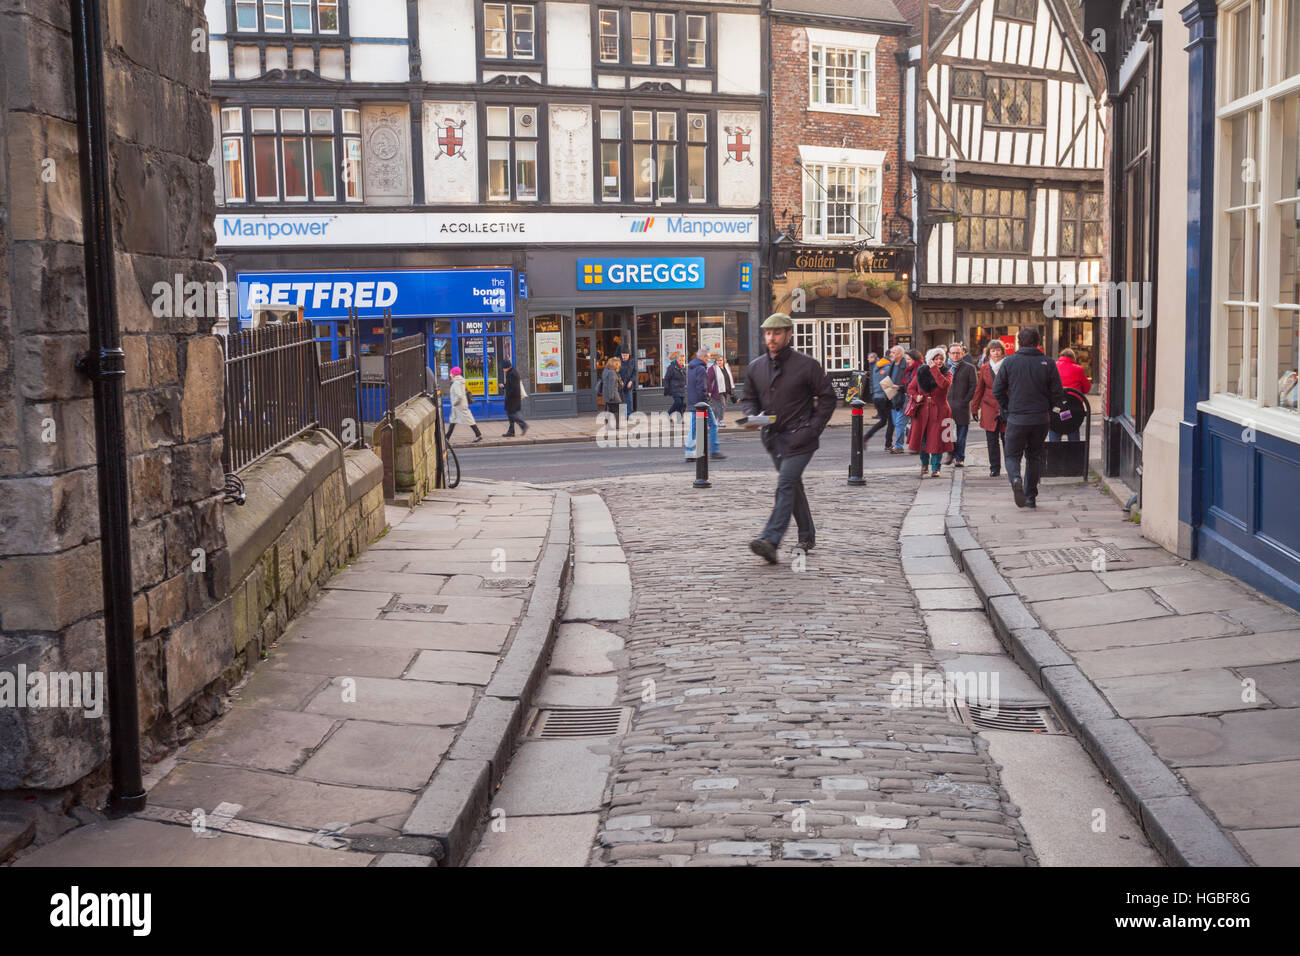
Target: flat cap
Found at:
x=778, y=320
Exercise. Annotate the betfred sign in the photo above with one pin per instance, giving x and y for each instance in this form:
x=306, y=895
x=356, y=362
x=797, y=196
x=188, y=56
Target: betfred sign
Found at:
x=410, y=294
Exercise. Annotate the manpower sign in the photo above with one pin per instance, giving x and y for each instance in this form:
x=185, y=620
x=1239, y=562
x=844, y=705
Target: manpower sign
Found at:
x=262, y=231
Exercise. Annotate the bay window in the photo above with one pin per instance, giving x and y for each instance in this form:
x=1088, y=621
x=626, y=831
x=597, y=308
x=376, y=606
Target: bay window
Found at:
x=284, y=16
x=1256, y=321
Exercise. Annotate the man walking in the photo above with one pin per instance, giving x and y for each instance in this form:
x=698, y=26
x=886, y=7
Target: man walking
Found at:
x=884, y=408
x=795, y=389
x=514, y=394
x=628, y=374
x=675, y=384
x=1027, y=389
x=959, y=397
x=697, y=390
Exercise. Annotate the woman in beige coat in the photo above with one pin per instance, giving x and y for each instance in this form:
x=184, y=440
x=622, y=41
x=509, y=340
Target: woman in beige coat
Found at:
x=460, y=413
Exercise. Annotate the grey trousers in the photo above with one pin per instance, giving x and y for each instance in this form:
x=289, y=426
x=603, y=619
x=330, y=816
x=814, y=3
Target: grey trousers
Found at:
x=790, y=499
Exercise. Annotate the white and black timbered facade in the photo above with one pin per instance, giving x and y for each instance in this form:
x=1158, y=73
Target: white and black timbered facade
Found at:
x=546, y=181
x=1010, y=149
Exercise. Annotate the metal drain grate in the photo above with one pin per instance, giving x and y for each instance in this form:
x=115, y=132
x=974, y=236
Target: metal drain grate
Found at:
x=1067, y=557
x=507, y=582
x=406, y=608
x=552, y=723
x=1022, y=718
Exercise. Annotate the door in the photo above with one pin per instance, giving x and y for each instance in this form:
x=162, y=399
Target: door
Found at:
x=872, y=340
x=585, y=370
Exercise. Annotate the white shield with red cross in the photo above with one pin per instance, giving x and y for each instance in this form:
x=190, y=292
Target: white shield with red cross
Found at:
x=738, y=145
x=451, y=139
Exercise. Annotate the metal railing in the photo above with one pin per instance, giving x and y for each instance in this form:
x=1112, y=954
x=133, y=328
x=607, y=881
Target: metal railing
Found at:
x=403, y=377
x=277, y=388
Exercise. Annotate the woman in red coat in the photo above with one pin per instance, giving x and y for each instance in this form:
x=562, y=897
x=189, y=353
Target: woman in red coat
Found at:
x=932, y=428
x=984, y=407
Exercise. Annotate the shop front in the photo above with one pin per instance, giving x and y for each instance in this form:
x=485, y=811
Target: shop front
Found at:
x=846, y=304
x=976, y=324
x=466, y=315
x=584, y=309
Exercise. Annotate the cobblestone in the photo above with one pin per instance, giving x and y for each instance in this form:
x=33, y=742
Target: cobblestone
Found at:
x=771, y=739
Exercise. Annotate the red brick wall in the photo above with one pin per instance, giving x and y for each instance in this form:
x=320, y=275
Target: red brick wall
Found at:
x=793, y=124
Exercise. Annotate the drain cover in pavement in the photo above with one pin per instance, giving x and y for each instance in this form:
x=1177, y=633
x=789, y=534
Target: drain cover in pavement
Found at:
x=1023, y=718
x=551, y=723
x=507, y=582
x=1066, y=557
x=419, y=608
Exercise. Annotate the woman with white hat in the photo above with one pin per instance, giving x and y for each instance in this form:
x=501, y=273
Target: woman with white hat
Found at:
x=932, y=421
x=460, y=413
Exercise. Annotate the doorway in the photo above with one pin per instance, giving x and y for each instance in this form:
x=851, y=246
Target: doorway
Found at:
x=586, y=375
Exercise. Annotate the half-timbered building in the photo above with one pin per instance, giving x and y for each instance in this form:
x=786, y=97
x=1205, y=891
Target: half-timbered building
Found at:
x=1009, y=155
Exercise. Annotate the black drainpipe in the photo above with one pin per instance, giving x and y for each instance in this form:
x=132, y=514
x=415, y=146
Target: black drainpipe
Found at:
x=105, y=365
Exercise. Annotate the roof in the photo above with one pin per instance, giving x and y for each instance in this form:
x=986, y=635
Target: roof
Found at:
x=880, y=11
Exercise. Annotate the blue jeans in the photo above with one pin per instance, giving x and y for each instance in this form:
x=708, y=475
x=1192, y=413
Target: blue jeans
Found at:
x=931, y=460
x=959, y=446
x=713, y=433
x=901, y=422
x=790, y=499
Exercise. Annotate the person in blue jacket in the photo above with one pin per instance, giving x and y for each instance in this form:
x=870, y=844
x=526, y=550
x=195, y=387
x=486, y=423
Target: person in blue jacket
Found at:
x=697, y=390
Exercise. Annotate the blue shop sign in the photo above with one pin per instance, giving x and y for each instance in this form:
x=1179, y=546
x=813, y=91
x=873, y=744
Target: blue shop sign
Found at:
x=640, y=273
x=410, y=294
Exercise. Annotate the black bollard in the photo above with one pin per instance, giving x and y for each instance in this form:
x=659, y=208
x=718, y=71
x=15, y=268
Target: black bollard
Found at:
x=855, y=442
x=701, y=446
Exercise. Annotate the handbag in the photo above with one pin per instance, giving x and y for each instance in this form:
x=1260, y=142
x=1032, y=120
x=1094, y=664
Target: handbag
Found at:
x=523, y=393
x=911, y=407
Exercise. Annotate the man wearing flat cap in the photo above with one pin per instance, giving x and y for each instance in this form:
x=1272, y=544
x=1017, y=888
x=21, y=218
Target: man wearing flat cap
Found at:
x=795, y=389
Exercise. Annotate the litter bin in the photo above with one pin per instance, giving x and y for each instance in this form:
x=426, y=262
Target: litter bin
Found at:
x=1065, y=458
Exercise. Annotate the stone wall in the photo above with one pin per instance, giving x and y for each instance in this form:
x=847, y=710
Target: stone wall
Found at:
x=161, y=189
x=415, y=448
x=310, y=509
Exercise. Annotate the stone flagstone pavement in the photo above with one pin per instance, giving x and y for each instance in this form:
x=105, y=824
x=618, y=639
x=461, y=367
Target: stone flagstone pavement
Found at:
x=340, y=730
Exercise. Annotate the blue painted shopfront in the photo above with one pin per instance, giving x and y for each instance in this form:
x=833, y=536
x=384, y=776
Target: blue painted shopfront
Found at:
x=466, y=314
x=1238, y=483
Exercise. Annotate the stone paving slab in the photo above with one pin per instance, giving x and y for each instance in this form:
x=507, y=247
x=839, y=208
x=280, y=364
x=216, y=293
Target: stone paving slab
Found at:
x=263, y=739
x=1234, y=738
x=403, y=634
x=391, y=756
x=538, y=841
x=394, y=701
x=311, y=657
x=584, y=649
x=453, y=667
x=1185, y=692
x=1185, y=652
x=554, y=777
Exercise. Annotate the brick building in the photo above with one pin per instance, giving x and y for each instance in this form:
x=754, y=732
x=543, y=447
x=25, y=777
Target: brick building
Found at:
x=839, y=191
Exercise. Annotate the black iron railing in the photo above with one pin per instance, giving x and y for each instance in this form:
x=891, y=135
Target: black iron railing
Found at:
x=277, y=388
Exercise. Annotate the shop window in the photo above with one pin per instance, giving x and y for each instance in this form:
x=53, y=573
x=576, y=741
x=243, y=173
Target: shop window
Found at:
x=550, y=351
x=1004, y=325
x=512, y=153
x=1256, y=322
x=232, y=154
x=837, y=344
x=697, y=41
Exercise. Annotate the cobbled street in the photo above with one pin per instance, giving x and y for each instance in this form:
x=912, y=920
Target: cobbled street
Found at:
x=764, y=731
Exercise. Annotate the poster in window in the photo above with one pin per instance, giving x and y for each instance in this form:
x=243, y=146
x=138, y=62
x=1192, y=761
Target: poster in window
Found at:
x=550, y=367
x=711, y=339
x=670, y=341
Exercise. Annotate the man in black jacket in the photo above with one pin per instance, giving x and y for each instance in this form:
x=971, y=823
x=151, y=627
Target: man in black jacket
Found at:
x=964, y=377
x=1027, y=389
x=627, y=371
x=795, y=389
